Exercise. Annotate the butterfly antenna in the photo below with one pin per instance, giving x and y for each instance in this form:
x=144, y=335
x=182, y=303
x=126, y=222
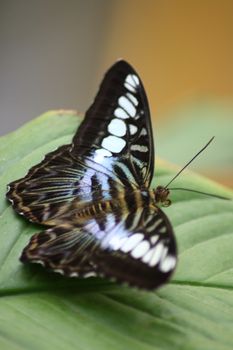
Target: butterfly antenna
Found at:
x=186, y=165
x=195, y=191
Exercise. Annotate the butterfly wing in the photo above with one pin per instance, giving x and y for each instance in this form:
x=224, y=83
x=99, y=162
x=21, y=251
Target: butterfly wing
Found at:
x=64, y=249
x=112, y=155
x=138, y=247
x=141, y=251
x=117, y=127
x=57, y=185
x=112, y=149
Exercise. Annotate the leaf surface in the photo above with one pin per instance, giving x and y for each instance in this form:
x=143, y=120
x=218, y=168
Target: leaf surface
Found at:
x=43, y=310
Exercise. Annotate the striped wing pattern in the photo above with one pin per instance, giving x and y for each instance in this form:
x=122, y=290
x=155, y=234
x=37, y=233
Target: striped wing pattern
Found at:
x=60, y=184
x=94, y=194
x=137, y=247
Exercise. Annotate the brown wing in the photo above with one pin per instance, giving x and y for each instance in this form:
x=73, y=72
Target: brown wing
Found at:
x=134, y=247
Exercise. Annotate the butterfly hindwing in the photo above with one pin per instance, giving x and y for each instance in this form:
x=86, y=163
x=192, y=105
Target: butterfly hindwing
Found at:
x=139, y=248
x=63, y=249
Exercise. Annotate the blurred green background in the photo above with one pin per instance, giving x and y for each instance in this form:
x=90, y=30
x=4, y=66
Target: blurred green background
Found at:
x=54, y=53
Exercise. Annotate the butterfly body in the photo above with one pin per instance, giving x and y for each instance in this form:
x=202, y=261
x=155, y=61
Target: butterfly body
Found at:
x=94, y=195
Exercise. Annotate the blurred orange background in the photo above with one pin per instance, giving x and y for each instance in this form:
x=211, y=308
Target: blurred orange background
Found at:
x=54, y=54
x=183, y=51
x=181, y=48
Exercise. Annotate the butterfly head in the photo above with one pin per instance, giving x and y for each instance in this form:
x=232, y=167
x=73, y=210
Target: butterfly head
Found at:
x=161, y=196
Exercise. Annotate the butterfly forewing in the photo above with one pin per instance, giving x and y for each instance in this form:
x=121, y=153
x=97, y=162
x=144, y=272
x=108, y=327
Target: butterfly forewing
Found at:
x=108, y=149
x=94, y=194
x=116, y=131
x=59, y=184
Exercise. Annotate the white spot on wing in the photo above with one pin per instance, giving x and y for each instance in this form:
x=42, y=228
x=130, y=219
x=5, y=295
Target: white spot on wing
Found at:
x=129, y=87
x=40, y=262
x=135, y=78
x=127, y=105
x=132, y=98
x=113, y=144
x=131, y=242
x=117, y=127
x=139, y=148
x=73, y=274
x=140, y=250
x=103, y=152
x=154, y=239
x=59, y=271
x=158, y=250
x=168, y=263
x=100, y=154
x=132, y=79
x=120, y=113
x=116, y=242
x=132, y=129
x=146, y=258
x=163, y=256
x=143, y=132
x=155, y=225
x=89, y=274
x=163, y=229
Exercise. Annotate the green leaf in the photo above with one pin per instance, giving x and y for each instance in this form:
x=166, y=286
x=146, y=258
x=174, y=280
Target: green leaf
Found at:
x=42, y=310
x=186, y=127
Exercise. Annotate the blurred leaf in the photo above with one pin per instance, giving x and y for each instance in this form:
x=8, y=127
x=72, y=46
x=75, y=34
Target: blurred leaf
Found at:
x=190, y=126
x=42, y=310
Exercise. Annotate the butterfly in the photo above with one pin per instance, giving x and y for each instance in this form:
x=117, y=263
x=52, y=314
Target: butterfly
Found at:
x=94, y=196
